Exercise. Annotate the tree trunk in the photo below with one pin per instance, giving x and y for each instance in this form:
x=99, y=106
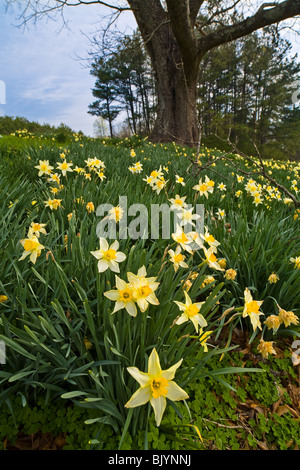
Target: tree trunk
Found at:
x=177, y=110
x=176, y=79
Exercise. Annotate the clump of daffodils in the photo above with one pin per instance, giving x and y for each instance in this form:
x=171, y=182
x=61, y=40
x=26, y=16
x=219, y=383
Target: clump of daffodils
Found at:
x=204, y=188
x=138, y=291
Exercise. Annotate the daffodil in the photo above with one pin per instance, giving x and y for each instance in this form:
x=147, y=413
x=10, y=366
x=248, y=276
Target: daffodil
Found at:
x=143, y=288
x=36, y=229
x=204, y=187
x=180, y=180
x=203, y=337
x=123, y=296
x=273, y=322
x=186, y=217
x=156, y=385
x=44, y=167
x=108, y=256
x=230, y=274
x=211, y=259
x=90, y=207
x=53, y=204
x=221, y=214
x=190, y=312
x=210, y=240
x=273, y=278
x=116, y=213
x=177, y=258
x=64, y=167
x=251, y=309
x=296, y=262
x=178, y=202
x=32, y=247
x=288, y=318
x=182, y=239
x=266, y=348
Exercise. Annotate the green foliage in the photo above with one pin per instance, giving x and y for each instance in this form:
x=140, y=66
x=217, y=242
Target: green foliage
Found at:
x=58, y=303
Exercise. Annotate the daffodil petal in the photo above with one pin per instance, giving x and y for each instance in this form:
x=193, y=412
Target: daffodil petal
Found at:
x=131, y=308
x=120, y=256
x=113, y=266
x=175, y=393
x=103, y=244
x=159, y=405
x=170, y=373
x=102, y=265
x=140, y=397
x=154, y=367
x=141, y=377
x=112, y=295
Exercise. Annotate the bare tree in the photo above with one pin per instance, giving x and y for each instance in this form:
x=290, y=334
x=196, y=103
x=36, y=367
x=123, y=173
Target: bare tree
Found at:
x=177, y=35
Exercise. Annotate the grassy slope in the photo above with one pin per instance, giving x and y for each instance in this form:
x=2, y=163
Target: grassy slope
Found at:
x=255, y=241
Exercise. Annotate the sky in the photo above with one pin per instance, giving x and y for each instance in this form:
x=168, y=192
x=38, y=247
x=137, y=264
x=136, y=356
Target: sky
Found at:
x=45, y=69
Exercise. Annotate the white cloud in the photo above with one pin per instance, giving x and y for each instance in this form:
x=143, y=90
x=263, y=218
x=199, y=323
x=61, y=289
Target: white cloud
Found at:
x=42, y=69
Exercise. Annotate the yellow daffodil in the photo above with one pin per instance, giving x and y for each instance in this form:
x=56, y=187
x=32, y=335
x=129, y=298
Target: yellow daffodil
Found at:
x=203, y=337
x=143, y=288
x=251, y=309
x=273, y=322
x=212, y=259
x=90, y=207
x=178, y=202
x=177, y=258
x=230, y=274
x=36, y=229
x=210, y=240
x=123, y=296
x=273, y=278
x=53, y=204
x=204, y=188
x=266, y=348
x=32, y=248
x=182, y=239
x=108, y=256
x=116, y=213
x=190, y=312
x=180, y=180
x=288, y=318
x=87, y=343
x=64, y=167
x=44, y=167
x=296, y=262
x=3, y=298
x=156, y=385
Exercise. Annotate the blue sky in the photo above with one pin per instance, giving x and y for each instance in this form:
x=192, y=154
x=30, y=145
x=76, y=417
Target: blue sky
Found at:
x=45, y=79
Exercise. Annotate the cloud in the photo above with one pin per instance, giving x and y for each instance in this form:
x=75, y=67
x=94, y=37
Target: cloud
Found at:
x=41, y=65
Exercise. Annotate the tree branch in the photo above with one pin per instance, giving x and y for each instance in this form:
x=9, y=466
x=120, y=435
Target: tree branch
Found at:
x=266, y=15
x=179, y=13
